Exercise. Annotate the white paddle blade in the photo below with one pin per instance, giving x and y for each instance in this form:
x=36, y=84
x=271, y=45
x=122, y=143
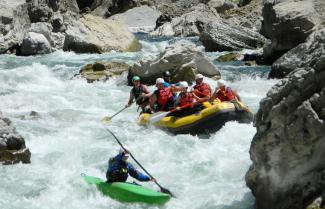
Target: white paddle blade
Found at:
x=157, y=117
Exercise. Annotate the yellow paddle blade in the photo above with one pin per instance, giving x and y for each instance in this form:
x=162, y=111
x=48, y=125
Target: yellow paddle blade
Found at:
x=106, y=119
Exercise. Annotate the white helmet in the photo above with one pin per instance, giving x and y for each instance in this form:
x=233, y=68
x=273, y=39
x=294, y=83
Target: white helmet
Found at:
x=183, y=84
x=221, y=82
x=160, y=80
x=198, y=76
x=126, y=155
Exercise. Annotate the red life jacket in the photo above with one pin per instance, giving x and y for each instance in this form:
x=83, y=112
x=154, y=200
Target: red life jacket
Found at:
x=185, y=99
x=203, y=90
x=226, y=95
x=163, y=97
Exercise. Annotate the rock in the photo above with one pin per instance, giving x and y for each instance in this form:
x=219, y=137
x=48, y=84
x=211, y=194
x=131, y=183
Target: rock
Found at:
x=39, y=11
x=221, y=5
x=33, y=115
x=176, y=8
x=229, y=57
x=138, y=19
x=316, y=204
x=42, y=28
x=35, y=43
x=249, y=16
x=95, y=35
x=292, y=59
x=58, y=23
x=288, y=23
x=188, y=24
x=57, y=41
x=162, y=19
x=183, y=59
x=251, y=63
x=243, y=2
x=14, y=22
x=221, y=36
x=101, y=71
x=12, y=145
x=288, y=148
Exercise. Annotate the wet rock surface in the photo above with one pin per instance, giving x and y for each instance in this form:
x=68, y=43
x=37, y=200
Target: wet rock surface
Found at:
x=12, y=145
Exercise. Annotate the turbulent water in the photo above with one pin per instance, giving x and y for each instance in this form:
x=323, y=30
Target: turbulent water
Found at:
x=68, y=138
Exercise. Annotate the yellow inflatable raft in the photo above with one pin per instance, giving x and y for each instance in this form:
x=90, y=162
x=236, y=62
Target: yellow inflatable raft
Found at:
x=208, y=120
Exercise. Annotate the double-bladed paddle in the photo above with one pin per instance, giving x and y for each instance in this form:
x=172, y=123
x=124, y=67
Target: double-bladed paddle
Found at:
x=162, y=189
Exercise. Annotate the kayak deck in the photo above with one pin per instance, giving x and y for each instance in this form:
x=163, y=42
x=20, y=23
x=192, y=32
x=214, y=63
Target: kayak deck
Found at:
x=127, y=192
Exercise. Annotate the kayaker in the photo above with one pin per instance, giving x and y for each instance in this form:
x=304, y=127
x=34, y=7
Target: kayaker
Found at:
x=119, y=168
x=140, y=93
x=162, y=99
x=225, y=94
x=167, y=76
x=202, y=89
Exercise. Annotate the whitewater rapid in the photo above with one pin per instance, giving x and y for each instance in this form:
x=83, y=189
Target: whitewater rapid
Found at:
x=68, y=138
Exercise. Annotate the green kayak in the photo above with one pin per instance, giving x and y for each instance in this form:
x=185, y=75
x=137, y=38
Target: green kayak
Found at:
x=127, y=192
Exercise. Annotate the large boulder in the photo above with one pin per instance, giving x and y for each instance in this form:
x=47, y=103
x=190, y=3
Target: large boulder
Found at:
x=189, y=23
x=292, y=59
x=183, y=59
x=35, y=43
x=102, y=71
x=222, y=36
x=288, y=23
x=221, y=5
x=288, y=149
x=14, y=22
x=92, y=34
x=12, y=145
x=138, y=19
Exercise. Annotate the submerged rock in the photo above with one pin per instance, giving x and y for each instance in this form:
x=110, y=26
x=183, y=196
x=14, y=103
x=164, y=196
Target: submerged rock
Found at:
x=96, y=35
x=229, y=57
x=288, y=149
x=12, y=145
x=183, y=59
x=101, y=71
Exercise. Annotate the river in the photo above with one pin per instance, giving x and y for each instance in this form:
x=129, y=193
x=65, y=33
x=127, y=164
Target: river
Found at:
x=68, y=138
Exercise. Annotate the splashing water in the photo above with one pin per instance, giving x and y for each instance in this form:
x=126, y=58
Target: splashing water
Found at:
x=68, y=138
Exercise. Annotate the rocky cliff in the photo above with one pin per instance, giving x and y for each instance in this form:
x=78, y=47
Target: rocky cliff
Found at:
x=288, y=169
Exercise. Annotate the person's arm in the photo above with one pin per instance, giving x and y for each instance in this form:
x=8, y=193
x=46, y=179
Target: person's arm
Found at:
x=146, y=92
x=153, y=99
x=136, y=174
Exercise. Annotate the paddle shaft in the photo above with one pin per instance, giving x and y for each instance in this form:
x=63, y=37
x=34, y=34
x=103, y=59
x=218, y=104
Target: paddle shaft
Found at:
x=118, y=112
x=118, y=141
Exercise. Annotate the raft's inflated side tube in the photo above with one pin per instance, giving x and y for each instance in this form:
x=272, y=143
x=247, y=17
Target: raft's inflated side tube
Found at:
x=206, y=121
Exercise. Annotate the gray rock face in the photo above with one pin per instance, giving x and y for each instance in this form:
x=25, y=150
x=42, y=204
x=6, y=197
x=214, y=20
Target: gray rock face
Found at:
x=221, y=36
x=138, y=19
x=14, y=22
x=35, y=43
x=288, y=149
x=183, y=59
x=221, y=5
x=188, y=24
x=12, y=145
x=292, y=59
x=95, y=35
x=288, y=23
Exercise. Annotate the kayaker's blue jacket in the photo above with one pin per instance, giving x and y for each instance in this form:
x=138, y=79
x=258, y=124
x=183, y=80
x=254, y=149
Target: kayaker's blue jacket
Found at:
x=118, y=170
